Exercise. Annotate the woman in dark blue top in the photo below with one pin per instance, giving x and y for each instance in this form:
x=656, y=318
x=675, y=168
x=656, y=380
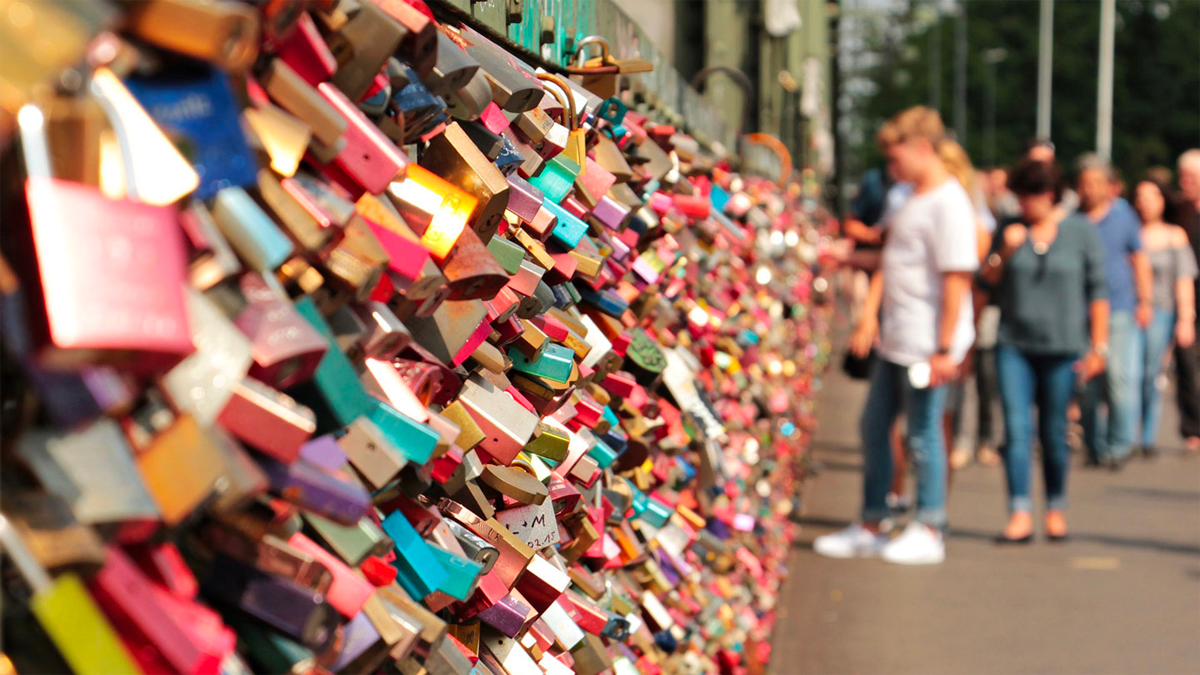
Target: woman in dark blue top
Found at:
x=1046, y=272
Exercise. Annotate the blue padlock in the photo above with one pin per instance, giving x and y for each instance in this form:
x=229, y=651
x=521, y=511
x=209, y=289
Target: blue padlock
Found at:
x=418, y=570
x=569, y=230
x=202, y=119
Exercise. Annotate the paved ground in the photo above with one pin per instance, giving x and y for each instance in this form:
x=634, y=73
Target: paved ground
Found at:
x=1122, y=597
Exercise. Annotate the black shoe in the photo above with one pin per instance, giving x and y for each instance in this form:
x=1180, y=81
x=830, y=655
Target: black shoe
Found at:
x=1057, y=538
x=1002, y=540
x=1092, y=463
x=1149, y=452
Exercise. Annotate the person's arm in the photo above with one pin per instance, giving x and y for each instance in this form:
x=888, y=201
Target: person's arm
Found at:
x=864, y=259
x=868, y=326
x=983, y=242
x=1185, y=291
x=1143, y=274
x=1004, y=244
x=1096, y=360
x=1096, y=290
x=955, y=287
x=1143, y=277
x=860, y=232
x=1185, y=321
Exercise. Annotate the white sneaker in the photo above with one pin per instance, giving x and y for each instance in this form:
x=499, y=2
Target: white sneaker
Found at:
x=917, y=545
x=855, y=541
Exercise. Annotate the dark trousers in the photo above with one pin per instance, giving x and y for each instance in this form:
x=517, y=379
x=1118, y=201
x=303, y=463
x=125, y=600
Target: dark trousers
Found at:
x=1187, y=363
x=988, y=391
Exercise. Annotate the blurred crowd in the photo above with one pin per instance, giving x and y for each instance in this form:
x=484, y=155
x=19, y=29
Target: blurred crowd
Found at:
x=1064, y=297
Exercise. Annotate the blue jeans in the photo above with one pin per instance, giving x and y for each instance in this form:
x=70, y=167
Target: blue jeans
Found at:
x=1112, y=401
x=1159, y=334
x=1048, y=382
x=890, y=389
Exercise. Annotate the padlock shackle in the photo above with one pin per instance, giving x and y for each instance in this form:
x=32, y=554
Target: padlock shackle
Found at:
x=31, y=125
x=568, y=103
x=582, y=45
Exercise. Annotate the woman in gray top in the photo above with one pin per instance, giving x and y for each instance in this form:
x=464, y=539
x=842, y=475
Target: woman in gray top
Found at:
x=1174, y=266
x=1046, y=273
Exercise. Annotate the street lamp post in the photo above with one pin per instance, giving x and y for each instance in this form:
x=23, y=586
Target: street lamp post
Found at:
x=1045, y=67
x=1104, y=87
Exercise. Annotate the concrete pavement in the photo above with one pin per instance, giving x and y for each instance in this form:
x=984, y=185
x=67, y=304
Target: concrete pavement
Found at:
x=1123, y=596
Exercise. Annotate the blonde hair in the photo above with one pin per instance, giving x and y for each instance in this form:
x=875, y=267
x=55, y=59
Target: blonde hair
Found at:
x=956, y=161
x=913, y=123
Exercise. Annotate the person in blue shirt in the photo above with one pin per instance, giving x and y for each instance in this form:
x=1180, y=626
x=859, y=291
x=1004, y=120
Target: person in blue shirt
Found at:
x=1112, y=402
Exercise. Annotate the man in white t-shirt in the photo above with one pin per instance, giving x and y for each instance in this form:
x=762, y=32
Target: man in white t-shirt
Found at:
x=925, y=330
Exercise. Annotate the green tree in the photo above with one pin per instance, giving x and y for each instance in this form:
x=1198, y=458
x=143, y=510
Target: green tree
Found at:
x=1156, y=82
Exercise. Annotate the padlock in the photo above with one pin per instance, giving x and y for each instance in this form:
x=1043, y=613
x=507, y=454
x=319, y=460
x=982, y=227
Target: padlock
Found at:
x=80, y=478
x=507, y=253
x=415, y=109
x=370, y=159
x=305, y=51
x=453, y=68
x=471, y=270
x=419, y=47
x=449, y=331
x=506, y=425
x=200, y=113
x=514, y=555
x=362, y=45
x=285, y=347
x=515, y=87
x=225, y=33
x=338, y=497
x=386, y=335
x=469, y=102
x=535, y=525
x=557, y=179
x=146, y=623
x=241, y=481
x=180, y=468
x=397, y=630
x=267, y=420
x=203, y=382
x=68, y=614
x=212, y=260
x=474, y=546
x=454, y=156
x=299, y=613
x=371, y=454
x=349, y=590
x=57, y=541
x=358, y=262
x=435, y=209
x=290, y=90
x=254, y=235
x=431, y=628
x=308, y=224
x=81, y=318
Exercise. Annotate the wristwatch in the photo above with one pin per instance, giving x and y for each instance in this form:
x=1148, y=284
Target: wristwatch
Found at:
x=1101, y=349
x=994, y=260
x=942, y=351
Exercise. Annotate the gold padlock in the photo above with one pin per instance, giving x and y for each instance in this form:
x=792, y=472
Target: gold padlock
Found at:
x=599, y=75
x=225, y=33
